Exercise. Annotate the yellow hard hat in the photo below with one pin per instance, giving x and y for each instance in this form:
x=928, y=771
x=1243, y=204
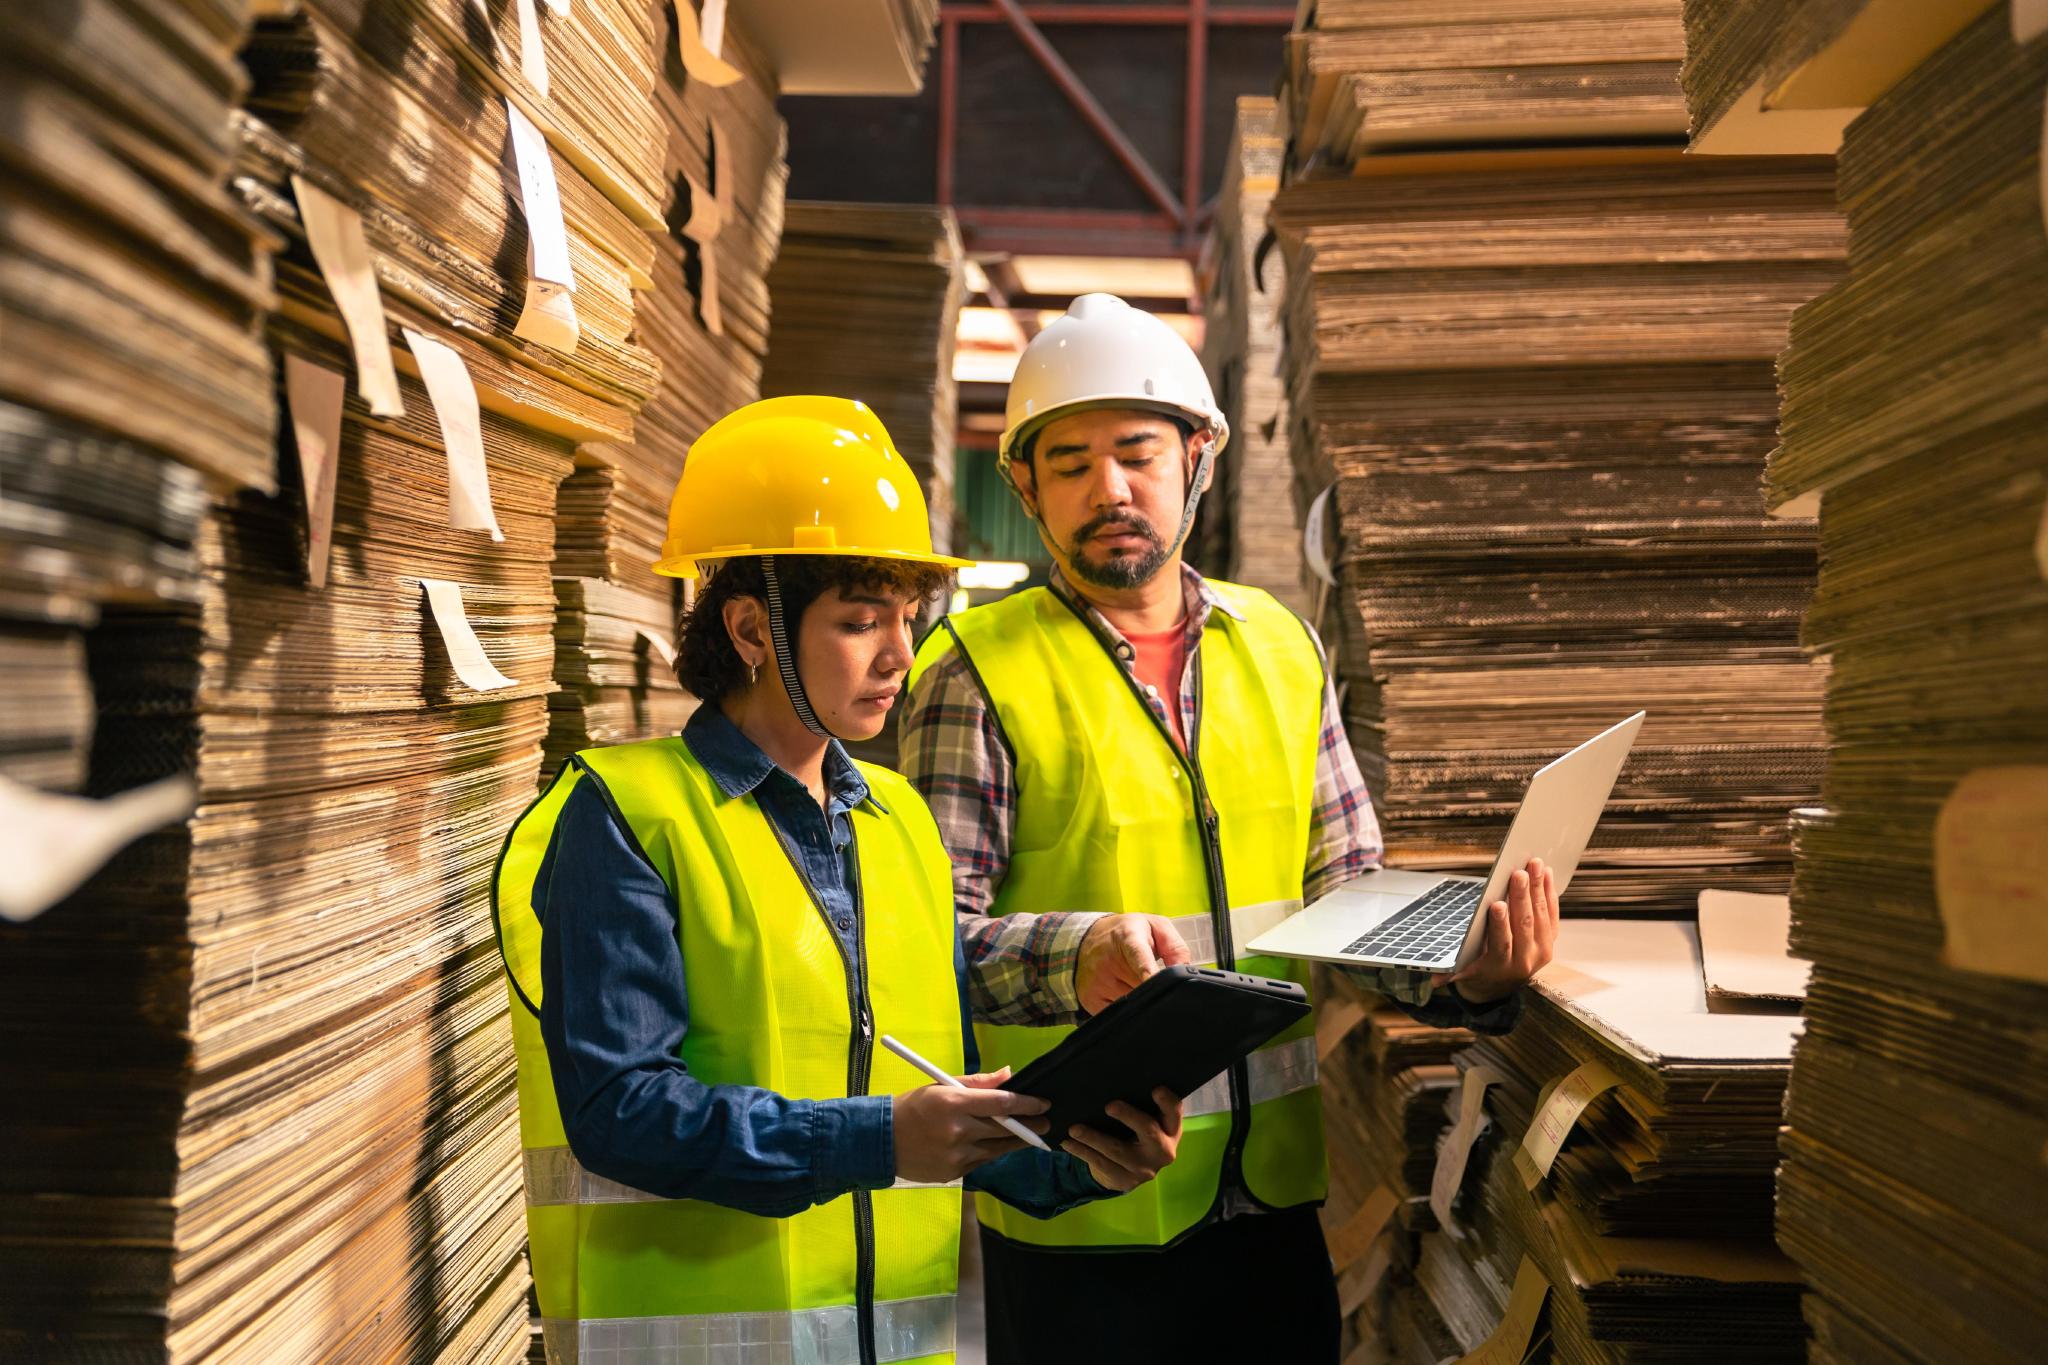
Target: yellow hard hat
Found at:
x=800, y=475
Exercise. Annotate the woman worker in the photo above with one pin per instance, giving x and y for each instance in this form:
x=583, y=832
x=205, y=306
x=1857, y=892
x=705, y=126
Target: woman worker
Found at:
x=706, y=936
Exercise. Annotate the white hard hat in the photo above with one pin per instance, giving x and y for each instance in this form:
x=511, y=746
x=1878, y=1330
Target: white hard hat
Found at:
x=1103, y=353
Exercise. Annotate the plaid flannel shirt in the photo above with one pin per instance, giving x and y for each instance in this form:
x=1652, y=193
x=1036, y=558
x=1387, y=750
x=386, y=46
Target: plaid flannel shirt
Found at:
x=1021, y=966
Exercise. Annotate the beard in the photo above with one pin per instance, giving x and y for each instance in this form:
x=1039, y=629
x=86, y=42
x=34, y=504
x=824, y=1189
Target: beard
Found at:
x=1123, y=568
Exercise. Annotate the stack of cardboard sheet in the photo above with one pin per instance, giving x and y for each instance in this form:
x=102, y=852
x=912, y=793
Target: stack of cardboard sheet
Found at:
x=1728, y=44
x=1914, y=415
x=867, y=302
x=706, y=322
x=1365, y=77
x=1623, y=1145
x=1384, y=1079
x=307, y=1144
x=1248, y=529
x=87, y=519
x=414, y=130
x=132, y=372
x=1543, y=390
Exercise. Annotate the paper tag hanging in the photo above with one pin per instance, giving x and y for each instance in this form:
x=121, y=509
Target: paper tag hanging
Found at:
x=1555, y=1118
x=698, y=43
x=1991, y=872
x=533, y=58
x=50, y=843
x=335, y=233
x=658, y=643
x=462, y=433
x=1316, y=545
x=1335, y=1024
x=2029, y=20
x=549, y=315
x=710, y=210
x=1363, y=1227
x=313, y=393
x=1456, y=1147
x=465, y=651
x=1509, y=1344
x=1357, y=1284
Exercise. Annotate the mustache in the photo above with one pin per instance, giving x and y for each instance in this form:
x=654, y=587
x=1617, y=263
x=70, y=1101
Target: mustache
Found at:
x=1125, y=523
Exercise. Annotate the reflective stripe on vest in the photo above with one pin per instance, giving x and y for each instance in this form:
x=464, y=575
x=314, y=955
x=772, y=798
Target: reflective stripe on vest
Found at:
x=1247, y=922
x=625, y=1276
x=1273, y=1072
x=555, y=1176
x=905, y=1329
x=1109, y=817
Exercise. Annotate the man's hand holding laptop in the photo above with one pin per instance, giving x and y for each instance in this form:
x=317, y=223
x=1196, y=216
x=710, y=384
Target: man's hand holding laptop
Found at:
x=1521, y=931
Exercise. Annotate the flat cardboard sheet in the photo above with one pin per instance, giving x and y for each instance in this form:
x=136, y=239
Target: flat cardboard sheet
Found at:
x=1640, y=981
x=1743, y=947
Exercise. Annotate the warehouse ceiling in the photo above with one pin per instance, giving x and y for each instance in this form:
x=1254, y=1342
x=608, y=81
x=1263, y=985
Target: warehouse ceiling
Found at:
x=1055, y=131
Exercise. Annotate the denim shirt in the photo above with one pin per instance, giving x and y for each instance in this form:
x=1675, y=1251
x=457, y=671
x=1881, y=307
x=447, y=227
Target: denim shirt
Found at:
x=614, y=1011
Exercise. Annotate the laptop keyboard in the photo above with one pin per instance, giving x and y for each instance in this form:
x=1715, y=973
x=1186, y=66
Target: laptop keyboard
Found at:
x=1427, y=930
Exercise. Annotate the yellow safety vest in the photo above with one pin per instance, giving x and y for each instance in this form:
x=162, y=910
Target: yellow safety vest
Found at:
x=1112, y=816
x=625, y=1278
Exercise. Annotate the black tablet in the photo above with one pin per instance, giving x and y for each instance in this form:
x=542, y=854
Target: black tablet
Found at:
x=1179, y=1030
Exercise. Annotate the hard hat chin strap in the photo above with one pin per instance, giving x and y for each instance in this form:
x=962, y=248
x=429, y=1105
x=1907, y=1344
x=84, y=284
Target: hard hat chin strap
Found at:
x=1198, y=477
x=785, y=652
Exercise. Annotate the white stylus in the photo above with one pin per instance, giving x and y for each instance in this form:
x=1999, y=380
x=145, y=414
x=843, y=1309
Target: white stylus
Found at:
x=943, y=1079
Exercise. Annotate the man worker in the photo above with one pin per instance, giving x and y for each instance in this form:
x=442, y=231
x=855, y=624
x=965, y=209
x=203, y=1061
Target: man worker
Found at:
x=1135, y=739
x=706, y=937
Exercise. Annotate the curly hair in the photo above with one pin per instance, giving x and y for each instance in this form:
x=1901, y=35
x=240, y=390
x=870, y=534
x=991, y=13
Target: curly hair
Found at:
x=707, y=663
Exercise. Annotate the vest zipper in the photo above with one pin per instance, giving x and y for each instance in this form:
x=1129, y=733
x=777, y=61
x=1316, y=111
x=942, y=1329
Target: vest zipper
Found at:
x=860, y=1071
x=1219, y=895
x=860, y=1057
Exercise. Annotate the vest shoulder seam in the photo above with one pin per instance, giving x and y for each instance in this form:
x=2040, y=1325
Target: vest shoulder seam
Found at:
x=988, y=698
x=618, y=817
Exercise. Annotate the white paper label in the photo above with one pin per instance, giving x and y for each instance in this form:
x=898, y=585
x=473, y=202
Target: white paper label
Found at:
x=711, y=26
x=465, y=651
x=462, y=433
x=335, y=233
x=50, y=843
x=313, y=393
x=541, y=198
x=1555, y=1118
x=1455, y=1149
x=533, y=58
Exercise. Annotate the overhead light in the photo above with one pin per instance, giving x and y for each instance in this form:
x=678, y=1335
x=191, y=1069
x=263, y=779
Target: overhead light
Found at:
x=994, y=574
x=1146, y=277
x=991, y=328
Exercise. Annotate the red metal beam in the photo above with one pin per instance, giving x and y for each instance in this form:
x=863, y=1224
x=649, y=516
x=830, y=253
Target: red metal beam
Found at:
x=949, y=104
x=1127, y=16
x=1191, y=132
x=1091, y=111
x=1070, y=232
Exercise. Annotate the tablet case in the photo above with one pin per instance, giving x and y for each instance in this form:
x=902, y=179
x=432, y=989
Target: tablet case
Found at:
x=1179, y=1029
